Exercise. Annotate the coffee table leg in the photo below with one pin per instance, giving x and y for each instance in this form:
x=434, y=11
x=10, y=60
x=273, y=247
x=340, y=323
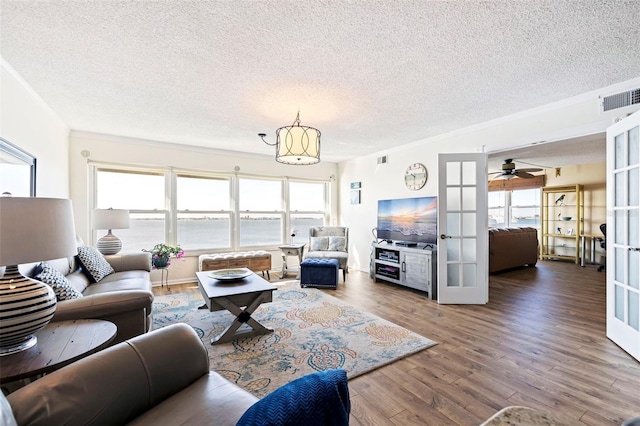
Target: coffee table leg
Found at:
x=243, y=316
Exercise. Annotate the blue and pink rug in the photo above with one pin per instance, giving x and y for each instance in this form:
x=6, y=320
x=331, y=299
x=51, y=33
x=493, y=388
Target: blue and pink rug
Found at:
x=313, y=332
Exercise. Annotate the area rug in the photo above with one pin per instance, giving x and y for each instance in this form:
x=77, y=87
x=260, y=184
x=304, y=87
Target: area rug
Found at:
x=313, y=331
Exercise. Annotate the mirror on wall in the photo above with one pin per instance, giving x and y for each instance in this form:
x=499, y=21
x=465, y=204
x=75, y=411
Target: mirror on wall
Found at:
x=17, y=171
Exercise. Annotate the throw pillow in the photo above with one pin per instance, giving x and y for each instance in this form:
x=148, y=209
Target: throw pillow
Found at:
x=337, y=244
x=49, y=275
x=315, y=399
x=93, y=263
x=319, y=243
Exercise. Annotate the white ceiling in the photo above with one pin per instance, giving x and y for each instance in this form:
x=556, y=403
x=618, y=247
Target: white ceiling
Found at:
x=370, y=75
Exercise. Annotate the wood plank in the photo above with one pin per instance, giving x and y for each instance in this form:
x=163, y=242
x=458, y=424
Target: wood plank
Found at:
x=539, y=342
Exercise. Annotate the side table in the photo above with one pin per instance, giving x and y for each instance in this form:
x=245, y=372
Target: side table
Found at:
x=163, y=270
x=59, y=343
x=291, y=250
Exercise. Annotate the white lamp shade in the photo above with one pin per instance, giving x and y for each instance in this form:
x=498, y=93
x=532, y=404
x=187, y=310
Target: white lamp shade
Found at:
x=110, y=219
x=298, y=145
x=35, y=229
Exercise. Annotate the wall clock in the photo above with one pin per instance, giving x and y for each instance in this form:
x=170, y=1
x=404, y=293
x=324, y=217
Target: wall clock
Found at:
x=416, y=176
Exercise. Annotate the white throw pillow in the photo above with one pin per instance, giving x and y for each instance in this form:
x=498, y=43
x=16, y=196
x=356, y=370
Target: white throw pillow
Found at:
x=319, y=243
x=337, y=244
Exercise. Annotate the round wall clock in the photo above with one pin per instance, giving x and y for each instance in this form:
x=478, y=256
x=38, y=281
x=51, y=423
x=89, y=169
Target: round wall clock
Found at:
x=416, y=176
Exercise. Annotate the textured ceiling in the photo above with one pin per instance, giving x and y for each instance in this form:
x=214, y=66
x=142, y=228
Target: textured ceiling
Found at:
x=369, y=74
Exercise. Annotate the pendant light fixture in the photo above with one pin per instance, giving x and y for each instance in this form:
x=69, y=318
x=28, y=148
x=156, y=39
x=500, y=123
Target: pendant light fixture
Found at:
x=296, y=144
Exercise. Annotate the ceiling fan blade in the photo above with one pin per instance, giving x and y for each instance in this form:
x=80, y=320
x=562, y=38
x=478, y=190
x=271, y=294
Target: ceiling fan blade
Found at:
x=522, y=174
x=503, y=176
x=530, y=170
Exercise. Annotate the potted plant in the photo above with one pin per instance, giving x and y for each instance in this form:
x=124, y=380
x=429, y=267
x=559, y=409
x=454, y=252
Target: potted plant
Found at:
x=161, y=253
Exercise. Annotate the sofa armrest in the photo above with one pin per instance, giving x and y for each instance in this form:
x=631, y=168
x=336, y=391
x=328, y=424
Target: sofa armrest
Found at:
x=98, y=306
x=130, y=261
x=116, y=385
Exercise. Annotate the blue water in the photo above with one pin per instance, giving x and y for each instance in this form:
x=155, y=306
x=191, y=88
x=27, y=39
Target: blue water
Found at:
x=211, y=233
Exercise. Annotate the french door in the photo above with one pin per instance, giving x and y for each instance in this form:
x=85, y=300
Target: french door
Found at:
x=463, y=249
x=623, y=234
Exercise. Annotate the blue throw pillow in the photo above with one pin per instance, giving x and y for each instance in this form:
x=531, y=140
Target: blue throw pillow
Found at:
x=315, y=399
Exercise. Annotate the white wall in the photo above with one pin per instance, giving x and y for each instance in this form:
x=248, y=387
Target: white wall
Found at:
x=26, y=121
x=566, y=119
x=121, y=150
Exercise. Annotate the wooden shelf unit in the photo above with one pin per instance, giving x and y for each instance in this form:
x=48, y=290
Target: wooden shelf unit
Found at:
x=557, y=217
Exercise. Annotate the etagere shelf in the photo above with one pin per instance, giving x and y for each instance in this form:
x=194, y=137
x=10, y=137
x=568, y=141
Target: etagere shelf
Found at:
x=561, y=222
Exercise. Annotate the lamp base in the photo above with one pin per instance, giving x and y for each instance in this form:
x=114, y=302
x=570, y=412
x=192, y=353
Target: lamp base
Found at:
x=109, y=244
x=27, y=306
x=29, y=343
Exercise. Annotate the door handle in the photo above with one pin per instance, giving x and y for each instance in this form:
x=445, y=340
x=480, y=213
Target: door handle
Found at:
x=634, y=248
x=404, y=268
x=443, y=236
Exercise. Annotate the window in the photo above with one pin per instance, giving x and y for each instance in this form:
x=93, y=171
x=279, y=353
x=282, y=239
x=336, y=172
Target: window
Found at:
x=204, y=214
x=517, y=208
x=306, y=207
x=200, y=211
x=261, y=212
x=143, y=195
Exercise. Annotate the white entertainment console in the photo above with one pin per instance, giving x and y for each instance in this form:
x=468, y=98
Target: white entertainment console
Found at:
x=408, y=266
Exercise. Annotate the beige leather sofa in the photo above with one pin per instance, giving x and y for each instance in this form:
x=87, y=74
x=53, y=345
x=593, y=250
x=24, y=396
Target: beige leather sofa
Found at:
x=123, y=297
x=512, y=247
x=160, y=378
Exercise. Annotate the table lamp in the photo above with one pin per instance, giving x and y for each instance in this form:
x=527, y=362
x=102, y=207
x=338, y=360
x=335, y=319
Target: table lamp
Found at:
x=31, y=230
x=110, y=219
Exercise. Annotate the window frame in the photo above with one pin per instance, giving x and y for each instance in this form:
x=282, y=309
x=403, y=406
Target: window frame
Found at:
x=171, y=211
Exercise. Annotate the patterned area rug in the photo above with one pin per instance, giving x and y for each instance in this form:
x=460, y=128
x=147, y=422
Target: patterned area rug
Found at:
x=313, y=332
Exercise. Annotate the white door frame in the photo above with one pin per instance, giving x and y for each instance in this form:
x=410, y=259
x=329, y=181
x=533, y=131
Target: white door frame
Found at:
x=463, y=227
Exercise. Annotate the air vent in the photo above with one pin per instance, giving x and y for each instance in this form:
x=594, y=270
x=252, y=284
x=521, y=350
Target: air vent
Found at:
x=621, y=100
x=382, y=160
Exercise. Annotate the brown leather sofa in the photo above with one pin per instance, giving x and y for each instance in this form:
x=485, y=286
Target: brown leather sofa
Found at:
x=160, y=378
x=124, y=297
x=512, y=247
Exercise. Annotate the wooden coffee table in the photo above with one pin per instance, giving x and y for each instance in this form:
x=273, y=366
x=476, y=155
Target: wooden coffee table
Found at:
x=59, y=343
x=249, y=292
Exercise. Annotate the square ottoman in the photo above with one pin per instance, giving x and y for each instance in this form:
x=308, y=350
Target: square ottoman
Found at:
x=320, y=273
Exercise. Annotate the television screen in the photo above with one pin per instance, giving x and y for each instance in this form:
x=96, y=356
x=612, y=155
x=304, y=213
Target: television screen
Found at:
x=411, y=220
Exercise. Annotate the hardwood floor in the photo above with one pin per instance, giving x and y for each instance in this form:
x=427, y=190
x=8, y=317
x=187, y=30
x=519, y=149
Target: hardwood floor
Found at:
x=539, y=342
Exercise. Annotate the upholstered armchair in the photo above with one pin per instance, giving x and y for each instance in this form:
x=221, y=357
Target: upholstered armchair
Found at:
x=330, y=242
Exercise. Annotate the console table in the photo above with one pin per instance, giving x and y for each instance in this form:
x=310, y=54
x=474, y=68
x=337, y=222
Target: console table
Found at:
x=408, y=266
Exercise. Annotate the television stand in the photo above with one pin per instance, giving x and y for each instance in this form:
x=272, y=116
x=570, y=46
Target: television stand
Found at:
x=408, y=266
x=406, y=244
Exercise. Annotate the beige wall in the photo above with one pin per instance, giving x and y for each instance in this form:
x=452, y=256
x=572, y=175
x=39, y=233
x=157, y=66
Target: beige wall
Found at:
x=26, y=121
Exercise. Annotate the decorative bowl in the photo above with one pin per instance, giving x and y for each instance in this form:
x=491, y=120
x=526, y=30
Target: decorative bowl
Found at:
x=566, y=217
x=230, y=274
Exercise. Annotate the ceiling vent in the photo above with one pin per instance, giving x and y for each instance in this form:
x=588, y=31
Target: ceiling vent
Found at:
x=621, y=100
x=382, y=160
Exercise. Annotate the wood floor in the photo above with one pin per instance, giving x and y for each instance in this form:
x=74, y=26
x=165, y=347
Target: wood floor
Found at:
x=539, y=342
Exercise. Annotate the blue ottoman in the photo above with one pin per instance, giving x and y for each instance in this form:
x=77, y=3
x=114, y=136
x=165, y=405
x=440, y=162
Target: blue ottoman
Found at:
x=321, y=273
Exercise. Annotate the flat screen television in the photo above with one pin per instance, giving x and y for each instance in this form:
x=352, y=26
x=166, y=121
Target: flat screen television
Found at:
x=408, y=220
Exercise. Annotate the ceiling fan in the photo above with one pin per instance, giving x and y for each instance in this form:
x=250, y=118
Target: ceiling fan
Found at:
x=509, y=171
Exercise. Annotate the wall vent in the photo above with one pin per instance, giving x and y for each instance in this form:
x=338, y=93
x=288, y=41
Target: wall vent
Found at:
x=621, y=100
x=382, y=160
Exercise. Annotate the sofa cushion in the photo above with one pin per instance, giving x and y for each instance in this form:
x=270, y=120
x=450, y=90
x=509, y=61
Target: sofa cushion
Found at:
x=337, y=243
x=93, y=263
x=121, y=281
x=319, y=243
x=315, y=399
x=49, y=275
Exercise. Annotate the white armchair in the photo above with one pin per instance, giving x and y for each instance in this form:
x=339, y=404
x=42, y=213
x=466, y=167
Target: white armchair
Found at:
x=330, y=242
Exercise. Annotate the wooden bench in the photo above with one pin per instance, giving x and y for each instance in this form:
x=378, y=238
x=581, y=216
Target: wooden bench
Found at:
x=257, y=261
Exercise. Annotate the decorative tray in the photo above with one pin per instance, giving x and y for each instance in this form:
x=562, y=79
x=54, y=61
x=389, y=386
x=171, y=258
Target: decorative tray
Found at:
x=230, y=274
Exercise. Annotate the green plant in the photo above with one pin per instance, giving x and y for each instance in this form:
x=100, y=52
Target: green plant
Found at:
x=161, y=253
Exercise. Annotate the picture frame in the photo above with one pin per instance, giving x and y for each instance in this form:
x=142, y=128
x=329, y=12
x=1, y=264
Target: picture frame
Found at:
x=355, y=196
x=356, y=185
